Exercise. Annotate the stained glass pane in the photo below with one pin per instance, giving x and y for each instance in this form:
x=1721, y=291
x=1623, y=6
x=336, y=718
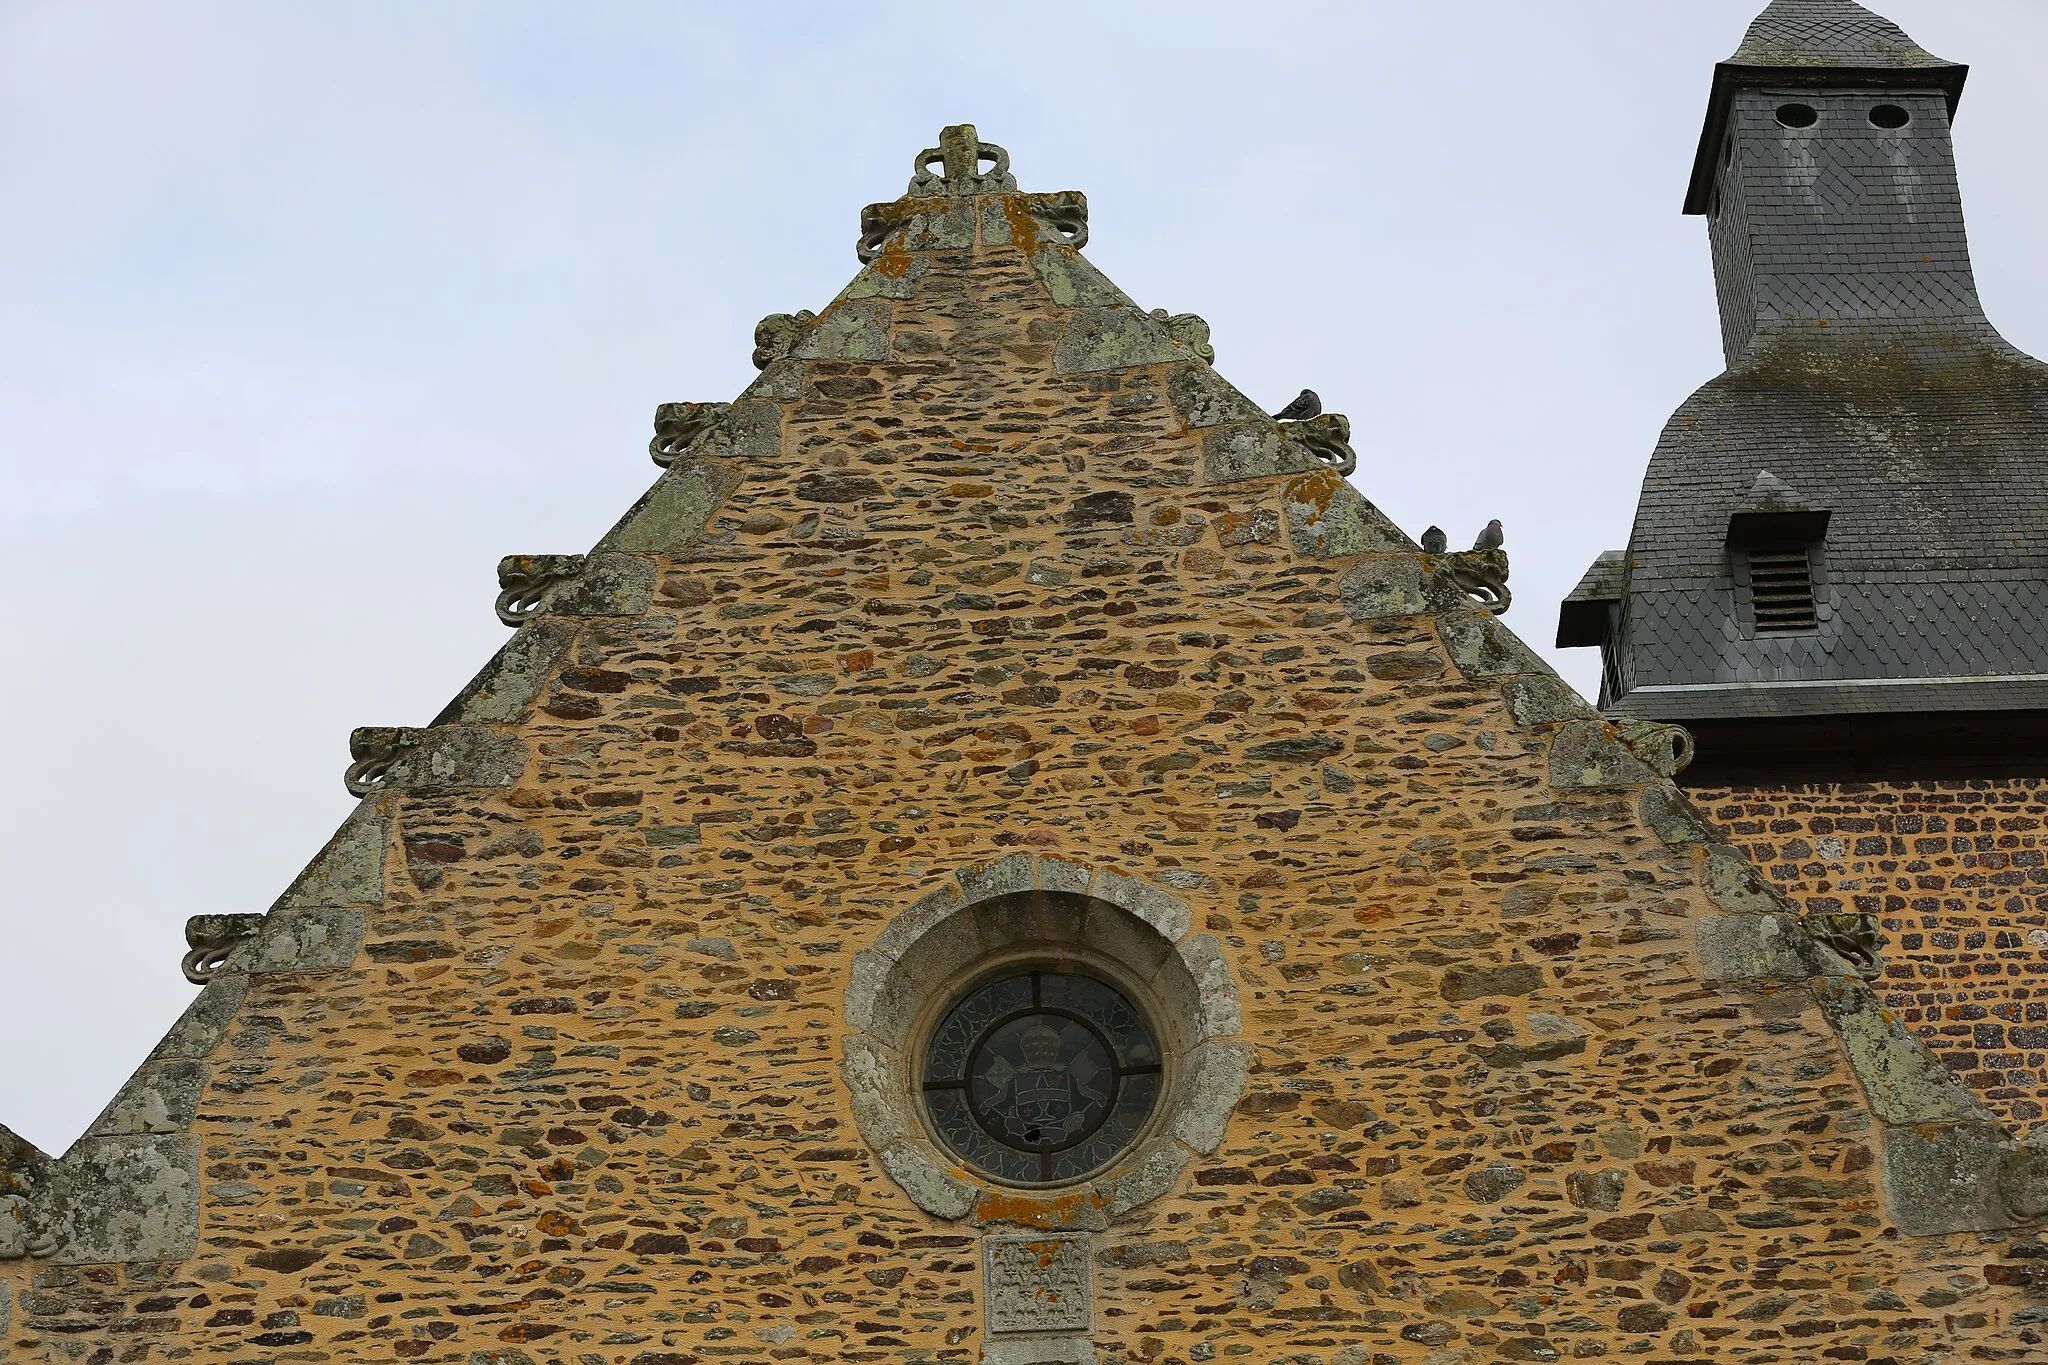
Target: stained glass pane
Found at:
x=1041, y=1077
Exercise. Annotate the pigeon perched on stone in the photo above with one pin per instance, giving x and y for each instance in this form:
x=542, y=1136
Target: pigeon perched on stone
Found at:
x=1491, y=538
x=1434, y=541
x=1307, y=405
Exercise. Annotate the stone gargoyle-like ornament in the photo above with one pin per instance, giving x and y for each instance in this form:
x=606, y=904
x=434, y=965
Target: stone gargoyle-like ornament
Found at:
x=19, y=1237
x=1065, y=215
x=209, y=939
x=1190, y=330
x=1326, y=437
x=775, y=336
x=677, y=427
x=1853, y=935
x=523, y=582
x=1667, y=749
x=372, y=749
x=959, y=157
x=877, y=221
x=953, y=169
x=1481, y=575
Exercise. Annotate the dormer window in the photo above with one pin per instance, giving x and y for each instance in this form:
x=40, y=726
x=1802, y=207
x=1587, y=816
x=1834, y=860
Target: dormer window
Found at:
x=1774, y=542
x=1781, y=590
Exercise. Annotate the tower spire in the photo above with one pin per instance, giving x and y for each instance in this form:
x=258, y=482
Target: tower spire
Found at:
x=1815, y=44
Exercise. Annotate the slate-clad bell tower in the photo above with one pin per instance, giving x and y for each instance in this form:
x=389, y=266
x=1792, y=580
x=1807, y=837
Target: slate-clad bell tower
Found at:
x=1838, y=575
x=1846, y=523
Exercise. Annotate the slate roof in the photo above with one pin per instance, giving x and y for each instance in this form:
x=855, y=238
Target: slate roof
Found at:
x=1828, y=33
x=1867, y=399
x=1583, y=619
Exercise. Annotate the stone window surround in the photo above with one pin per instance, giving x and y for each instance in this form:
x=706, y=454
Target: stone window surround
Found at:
x=1028, y=908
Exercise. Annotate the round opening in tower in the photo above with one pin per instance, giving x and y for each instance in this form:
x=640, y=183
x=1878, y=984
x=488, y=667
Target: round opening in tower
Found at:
x=1041, y=1076
x=1797, y=115
x=1889, y=116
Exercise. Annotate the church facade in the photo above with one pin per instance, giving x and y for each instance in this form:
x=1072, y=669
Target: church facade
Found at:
x=1004, y=854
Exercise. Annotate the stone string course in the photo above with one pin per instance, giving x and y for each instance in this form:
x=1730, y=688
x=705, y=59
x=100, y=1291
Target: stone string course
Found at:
x=990, y=564
x=1957, y=874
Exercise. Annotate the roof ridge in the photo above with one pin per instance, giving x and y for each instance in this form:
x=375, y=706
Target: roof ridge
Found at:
x=1829, y=33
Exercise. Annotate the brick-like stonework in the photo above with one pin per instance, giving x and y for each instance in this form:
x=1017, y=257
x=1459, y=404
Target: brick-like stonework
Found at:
x=1957, y=874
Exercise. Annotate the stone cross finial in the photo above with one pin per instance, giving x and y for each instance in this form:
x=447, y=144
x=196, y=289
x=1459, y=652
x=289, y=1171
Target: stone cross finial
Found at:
x=959, y=156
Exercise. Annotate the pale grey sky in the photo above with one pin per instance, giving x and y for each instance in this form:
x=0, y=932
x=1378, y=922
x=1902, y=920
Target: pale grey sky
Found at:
x=315, y=310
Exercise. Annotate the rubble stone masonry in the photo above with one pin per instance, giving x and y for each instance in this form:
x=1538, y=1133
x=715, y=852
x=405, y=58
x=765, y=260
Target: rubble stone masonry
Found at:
x=544, y=1061
x=1957, y=874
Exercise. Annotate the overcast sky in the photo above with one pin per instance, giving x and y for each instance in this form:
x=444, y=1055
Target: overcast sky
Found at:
x=315, y=310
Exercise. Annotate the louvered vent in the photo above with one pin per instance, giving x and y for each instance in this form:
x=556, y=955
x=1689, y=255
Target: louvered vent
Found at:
x=1781, y=587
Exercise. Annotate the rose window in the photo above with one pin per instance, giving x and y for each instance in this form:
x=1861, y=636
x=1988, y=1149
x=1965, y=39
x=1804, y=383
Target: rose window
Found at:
x=1041, y=1077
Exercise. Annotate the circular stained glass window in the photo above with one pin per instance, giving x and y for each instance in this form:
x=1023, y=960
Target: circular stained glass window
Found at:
x=1041, y=1077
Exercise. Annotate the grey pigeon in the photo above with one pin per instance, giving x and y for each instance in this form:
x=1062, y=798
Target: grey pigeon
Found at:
x=1302, y=408
x=1434, y=541
x=1491, y=538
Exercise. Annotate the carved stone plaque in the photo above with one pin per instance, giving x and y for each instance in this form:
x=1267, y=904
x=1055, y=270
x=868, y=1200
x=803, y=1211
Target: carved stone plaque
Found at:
x=1038, y=1282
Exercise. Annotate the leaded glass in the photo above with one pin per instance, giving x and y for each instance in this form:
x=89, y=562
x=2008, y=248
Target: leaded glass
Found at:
x=1041, y=1077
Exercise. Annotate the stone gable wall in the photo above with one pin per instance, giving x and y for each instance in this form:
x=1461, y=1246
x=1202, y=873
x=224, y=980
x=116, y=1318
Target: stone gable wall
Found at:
x=988, y=567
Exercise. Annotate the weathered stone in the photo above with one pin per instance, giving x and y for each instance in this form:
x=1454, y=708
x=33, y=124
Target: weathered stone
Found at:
x=1528, y=898
x=1216, y=1080
x=508, y=684
x=873, y=1075
x=1379, y=589
x=610, y=585
x=675, y=511
x=1220, y=1015
x=855, y=330
x=1599, y=1190
x=1944, y=1177
x=1753, y=948
x=1073, y=281
x=869, y=975
x=931, y=910
x=215, y=942
x=129, y=1199
x=1038, y=1283
x=455, y=758
x=1034, y=1350
x=1150, y=1172
x=2023, y=1179
x=307, y=938
x=1477, y=983
x=1005, y=876
x=1590, y=753
x=1169, y=915
x=1250, y=449
x=1734, y=884
x=1542, y=1038
x=1665, y=809
x=1052, y=874
x=1494, y=1181
x=205, y=1021
x=161, y=1097
x=917, y=1168
x=1543, y=699
x=898, y=280
x=1204, y=398
x=1482, y=647
x=1904, y=1082
x=350, y=869
x=1329, y=519
x=1111, y=339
